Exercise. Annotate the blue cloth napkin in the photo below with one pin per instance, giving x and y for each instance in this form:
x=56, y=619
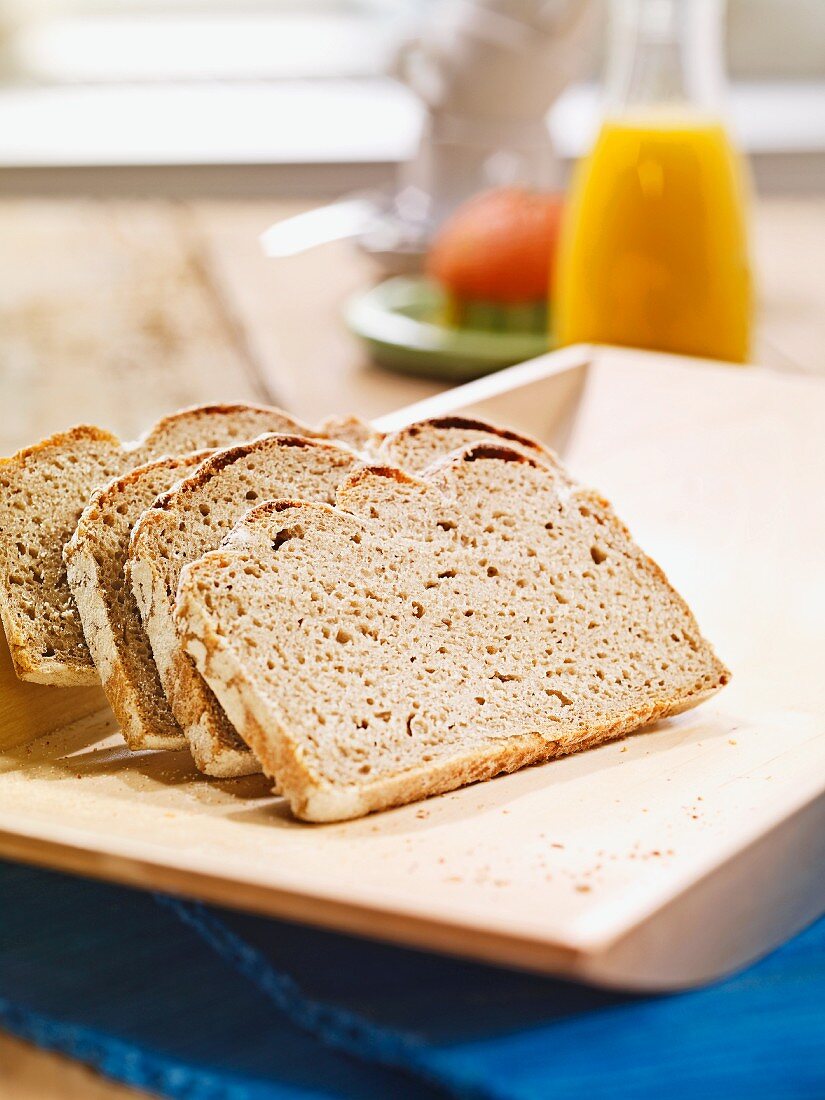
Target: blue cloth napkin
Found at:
x=198, y=1003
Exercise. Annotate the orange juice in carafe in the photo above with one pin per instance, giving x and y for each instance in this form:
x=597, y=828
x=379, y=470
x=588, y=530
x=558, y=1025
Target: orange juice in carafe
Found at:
x=654, y=250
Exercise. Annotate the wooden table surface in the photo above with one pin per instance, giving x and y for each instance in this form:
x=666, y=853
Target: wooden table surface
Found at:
x=116, y=312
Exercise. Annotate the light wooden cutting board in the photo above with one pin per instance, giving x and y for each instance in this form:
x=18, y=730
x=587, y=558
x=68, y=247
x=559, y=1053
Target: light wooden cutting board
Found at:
x=657, y=862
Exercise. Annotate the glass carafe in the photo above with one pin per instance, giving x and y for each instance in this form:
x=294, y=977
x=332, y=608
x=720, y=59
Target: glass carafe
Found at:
x=654, y=250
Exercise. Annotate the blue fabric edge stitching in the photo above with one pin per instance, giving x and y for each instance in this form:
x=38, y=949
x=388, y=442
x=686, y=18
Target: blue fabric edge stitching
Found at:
x=337, y=1028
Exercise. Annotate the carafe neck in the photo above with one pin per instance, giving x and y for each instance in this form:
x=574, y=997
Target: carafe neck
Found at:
x=665, y=55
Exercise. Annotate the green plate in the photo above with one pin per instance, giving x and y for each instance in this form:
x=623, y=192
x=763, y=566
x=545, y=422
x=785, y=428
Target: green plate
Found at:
x=398, y=320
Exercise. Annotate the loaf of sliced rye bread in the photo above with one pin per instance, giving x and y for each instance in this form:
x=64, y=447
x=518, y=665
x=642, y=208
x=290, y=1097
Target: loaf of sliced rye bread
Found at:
x=186, y=523
x=44, y=489
x=427, y=633
x=216, y=746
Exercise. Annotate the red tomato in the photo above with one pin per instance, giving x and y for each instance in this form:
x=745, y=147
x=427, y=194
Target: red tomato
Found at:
x=498, y=246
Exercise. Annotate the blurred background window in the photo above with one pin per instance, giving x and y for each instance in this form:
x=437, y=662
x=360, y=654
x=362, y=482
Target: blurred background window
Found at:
x=117, y=41
x=87, y=83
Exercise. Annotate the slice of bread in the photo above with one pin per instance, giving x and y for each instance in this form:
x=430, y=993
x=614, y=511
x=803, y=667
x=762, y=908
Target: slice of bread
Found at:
x=208, y=427
x=352, y=431
x=428, y=633
x=43, y=490
x=418, y=445
x=95, y=559
x=188, y=522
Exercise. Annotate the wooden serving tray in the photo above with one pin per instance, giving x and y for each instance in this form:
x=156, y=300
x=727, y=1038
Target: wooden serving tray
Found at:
x=658, y=862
